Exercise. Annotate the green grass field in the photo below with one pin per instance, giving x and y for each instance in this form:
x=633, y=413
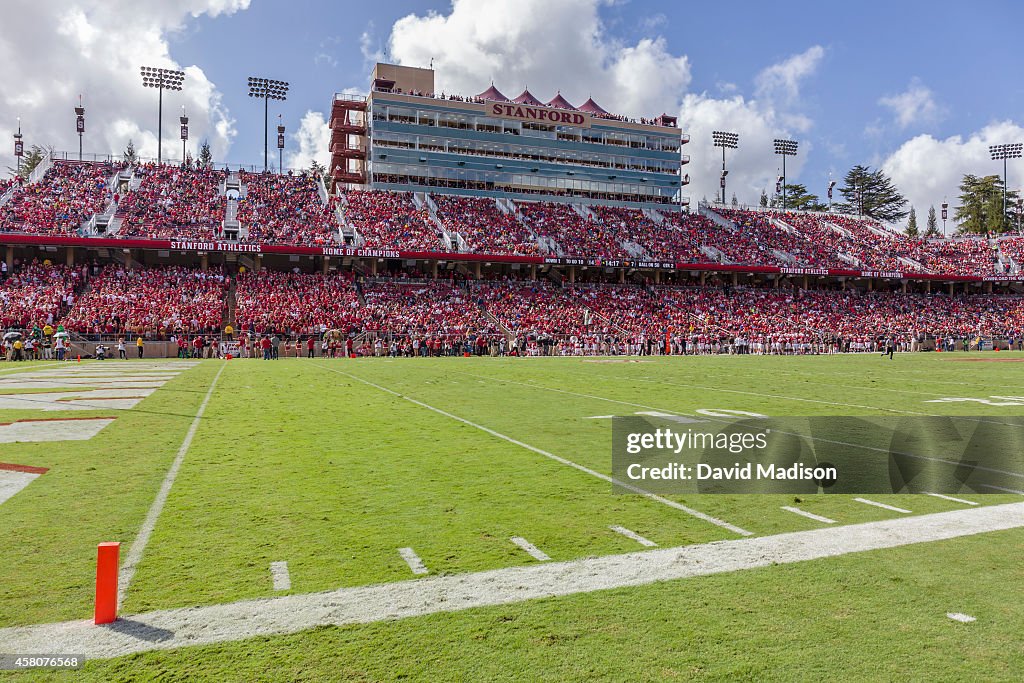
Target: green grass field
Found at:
x=300, y=461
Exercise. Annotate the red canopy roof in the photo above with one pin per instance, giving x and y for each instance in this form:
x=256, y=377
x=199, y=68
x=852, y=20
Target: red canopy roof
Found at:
x=592, y=107
x=527, y=98
x=560, y=102
x=493, y=94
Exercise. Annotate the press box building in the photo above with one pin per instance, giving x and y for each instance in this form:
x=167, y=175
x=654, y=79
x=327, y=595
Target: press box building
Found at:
x=406, y=136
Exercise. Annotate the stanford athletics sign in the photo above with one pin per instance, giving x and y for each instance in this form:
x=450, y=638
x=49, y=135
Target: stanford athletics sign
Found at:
x=522, y=112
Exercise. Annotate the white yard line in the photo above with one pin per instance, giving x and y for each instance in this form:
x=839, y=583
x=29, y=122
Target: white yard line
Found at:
x=882, y=505
x=138, y=546
x=534, y=552
x=961, y=617
x=808, y=515
x=279, y=575
x=646, y=542
x=413, y=560
x=557, y=458
x=174, y=628
x=955, y=500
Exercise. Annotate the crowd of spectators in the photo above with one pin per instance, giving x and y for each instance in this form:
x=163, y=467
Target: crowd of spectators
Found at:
x=671, y=240
x=173, y=202
x=1013, y=248
x=575, y=235
x=66, y=196
x=285, y=209
x=485, y=228
x=295, y=303
x=390, y=220
x=964, y=256
x=155, y=301
x=36, y=294
x=533, y=309
x=436, y=309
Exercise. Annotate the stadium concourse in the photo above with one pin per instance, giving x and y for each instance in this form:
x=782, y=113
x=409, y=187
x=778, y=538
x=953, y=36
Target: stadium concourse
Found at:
x=113, y=250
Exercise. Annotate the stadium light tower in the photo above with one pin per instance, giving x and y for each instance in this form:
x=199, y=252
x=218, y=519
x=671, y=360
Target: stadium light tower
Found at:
x=725, y=140
x=831, y=184
x=19, y=146
x=183, y=120
x=280, y=145
x=80, y=124
x=945, y=213
x=267, y=89
x=161, y=79
x=785, y=148
x=1004, y=152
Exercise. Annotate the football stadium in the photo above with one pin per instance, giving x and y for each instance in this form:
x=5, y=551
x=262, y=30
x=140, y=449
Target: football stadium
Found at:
x=493, y=394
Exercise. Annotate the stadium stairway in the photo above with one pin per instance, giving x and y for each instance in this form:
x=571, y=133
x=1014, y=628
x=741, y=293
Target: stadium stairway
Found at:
x=230, y=304
x=498, y=325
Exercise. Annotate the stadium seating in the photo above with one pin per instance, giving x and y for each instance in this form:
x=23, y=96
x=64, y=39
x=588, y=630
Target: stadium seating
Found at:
x=295, y=303
x=285, y=209
x=485, y=229
x=157, y=301
x=172, y=202
x=67, y=196
x=390, y=220
x=36, y=294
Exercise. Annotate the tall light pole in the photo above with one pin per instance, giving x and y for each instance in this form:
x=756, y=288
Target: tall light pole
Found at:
x=1004, y=152
x=831, y=184
x=161, y=79
x=280, y=145
x=725, y=140
x=945, y=213
x=80, y=124
x=19, y=146
x=268, y=89
x=183, y=119
x=785, y=148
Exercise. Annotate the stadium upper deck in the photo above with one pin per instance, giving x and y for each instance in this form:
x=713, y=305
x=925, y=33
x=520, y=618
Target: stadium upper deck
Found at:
x=182, y=213
x=405, y=136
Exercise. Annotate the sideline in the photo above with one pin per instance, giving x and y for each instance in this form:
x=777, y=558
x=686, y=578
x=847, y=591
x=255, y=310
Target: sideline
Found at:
x=168, y=629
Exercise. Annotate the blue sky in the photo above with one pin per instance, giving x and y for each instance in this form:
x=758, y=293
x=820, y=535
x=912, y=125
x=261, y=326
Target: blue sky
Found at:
x=920, y=88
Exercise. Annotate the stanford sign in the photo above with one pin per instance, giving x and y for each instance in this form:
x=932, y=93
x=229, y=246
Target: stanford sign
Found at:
x=522, y=112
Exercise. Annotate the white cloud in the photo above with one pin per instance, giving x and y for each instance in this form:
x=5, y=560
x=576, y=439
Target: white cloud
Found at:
x=53, y=51
x=369, y=48
x=782, y=80
x=926, y=169
x=538, y=43
x=563, y=46
x=314, y=139
x=914, y=106
x=752, y=168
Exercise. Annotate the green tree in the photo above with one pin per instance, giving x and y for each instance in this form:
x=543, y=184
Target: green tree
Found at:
x=735, y=201
x=33, y=157
x=981, y=205
x=764, y=199
x=205, y=155
x=316, y=169
x=799, y=199
x=912, y=230
x=932, y=225
x=130, y=156
x=871, y=193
